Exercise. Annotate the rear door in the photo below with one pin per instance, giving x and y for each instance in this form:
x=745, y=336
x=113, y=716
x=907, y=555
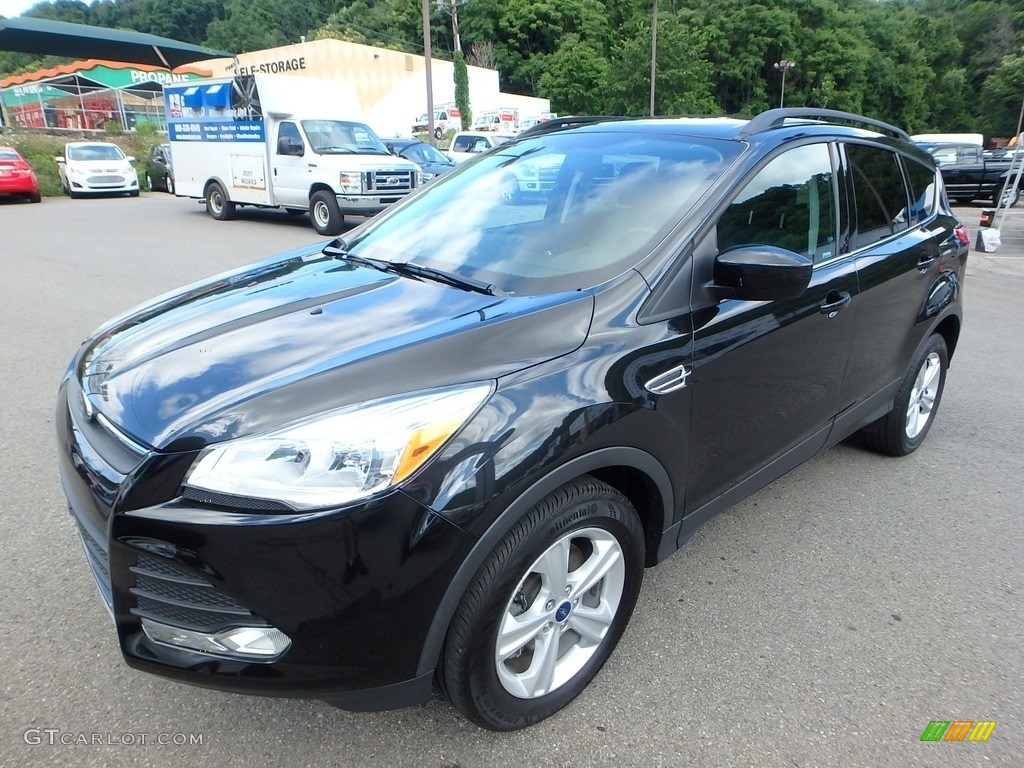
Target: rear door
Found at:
x=767, y=376
x=896, y=240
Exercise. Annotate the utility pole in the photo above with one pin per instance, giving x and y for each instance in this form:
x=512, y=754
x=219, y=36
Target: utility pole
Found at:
x=654, y=52
x=426, y=62
x=451, y=7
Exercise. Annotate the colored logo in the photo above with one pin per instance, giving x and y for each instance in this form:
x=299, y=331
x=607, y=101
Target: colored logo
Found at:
x=958, y=730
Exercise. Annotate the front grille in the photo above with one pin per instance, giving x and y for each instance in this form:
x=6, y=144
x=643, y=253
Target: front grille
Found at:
x=99, y=563
x=391, y=181
x=167, y=592
x=105, y=180
x=230, y=500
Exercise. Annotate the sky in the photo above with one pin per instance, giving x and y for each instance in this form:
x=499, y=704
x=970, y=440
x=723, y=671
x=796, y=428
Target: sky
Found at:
x=15, y=7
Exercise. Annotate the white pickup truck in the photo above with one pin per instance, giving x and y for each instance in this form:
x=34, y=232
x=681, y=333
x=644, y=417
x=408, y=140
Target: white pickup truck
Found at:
x=281, y=141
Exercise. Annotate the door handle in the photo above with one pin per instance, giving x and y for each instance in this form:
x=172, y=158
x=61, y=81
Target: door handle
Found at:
x=926, y=259
x=835, y=301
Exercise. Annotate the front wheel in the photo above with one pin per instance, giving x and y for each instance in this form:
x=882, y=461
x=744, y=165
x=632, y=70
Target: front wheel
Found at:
x=217, y=203
x=905, y=427
x=438, y=133
x=169, y=184
x=324, y=213
x=546, y=609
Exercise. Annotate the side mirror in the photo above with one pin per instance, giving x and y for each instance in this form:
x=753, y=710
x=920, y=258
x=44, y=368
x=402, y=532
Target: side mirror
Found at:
x=130, y=158
x=763, y=272
x=59, y=159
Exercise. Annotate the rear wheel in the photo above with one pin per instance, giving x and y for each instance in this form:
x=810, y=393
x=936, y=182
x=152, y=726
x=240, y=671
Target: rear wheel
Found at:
x=546, y=609
x=169, y=184
x=438, y=133
x=905, y=427
x=217, y=203
x=324, y=213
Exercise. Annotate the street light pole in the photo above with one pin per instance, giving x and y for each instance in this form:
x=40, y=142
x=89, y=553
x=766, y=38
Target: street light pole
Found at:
x=426, y=62
x=654, y=52
x=784, y=66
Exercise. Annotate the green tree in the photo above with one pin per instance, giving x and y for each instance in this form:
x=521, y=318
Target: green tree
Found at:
x=462, y=90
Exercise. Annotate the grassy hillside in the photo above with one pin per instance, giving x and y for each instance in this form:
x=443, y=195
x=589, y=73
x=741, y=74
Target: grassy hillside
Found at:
x=40, y=147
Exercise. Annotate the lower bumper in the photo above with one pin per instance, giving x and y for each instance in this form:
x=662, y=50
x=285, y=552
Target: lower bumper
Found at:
x=355, y=590
x=367, y=206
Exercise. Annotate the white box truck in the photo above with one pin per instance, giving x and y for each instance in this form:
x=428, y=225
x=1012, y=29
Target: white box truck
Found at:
x=281, y=141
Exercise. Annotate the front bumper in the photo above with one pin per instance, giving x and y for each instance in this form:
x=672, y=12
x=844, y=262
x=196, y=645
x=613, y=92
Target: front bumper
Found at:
x=359, y=205
x=354, y=589
x=99, y=184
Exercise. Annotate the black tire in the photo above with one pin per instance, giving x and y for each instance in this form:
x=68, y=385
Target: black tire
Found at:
x=169, y=184
x=584, y=519
x=1007, y=196
x=324, y=213
x=133, y=193
x=900, y=432
x=217, y=203
x=438, y=133
x=149, y=183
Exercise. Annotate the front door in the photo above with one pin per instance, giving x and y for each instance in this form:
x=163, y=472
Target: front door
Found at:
x=766, y=376
x=289, y=165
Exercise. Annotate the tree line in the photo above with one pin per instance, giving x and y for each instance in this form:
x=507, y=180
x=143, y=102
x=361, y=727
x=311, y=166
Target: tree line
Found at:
x=926, y=65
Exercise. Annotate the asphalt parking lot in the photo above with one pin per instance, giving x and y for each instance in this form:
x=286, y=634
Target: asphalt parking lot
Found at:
x=823, y=622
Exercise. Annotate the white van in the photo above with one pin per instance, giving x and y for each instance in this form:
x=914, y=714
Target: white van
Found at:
x=281, y=141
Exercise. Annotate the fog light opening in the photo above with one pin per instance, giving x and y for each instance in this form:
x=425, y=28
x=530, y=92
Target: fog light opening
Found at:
x=247, y=643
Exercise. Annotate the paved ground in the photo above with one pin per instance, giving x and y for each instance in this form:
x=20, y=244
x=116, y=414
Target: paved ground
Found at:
x=824, y=622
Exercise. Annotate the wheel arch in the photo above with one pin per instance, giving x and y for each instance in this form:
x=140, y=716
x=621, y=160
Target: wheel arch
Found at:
x=949, y=329
x=216, y=180
x=634, y=473
x=320, y=186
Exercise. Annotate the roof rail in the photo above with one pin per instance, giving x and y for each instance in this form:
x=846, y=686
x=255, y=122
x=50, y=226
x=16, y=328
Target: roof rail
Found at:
x=558, y=123
x=776, y=118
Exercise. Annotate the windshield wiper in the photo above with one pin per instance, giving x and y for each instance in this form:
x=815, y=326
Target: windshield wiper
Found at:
x=411, y=269
x=442, y=276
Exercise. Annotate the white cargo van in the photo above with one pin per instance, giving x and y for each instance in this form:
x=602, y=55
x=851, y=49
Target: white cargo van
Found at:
x=280, y=141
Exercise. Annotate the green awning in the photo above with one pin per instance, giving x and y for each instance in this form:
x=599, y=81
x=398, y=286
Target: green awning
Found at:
x=61, y=38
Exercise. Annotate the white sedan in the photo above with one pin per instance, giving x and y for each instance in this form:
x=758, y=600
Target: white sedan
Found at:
x=95, y=167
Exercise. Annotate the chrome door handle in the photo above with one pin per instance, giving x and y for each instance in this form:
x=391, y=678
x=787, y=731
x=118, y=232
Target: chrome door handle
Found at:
x=669, y=381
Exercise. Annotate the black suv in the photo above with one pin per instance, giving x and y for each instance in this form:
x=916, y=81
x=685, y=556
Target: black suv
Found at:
x=445, y=447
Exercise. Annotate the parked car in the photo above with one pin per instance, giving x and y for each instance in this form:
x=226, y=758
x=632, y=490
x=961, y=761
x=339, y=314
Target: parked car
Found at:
x=95, y=167
x=17, y=179
x=446, y=445
x=159, y=169
x=467, y=144
x=428, y=157
x=971, y=175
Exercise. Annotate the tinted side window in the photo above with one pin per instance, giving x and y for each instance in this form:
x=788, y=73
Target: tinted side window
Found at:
x=879, y=194
x=788, y=204
x=922, y=190
x=289, y=140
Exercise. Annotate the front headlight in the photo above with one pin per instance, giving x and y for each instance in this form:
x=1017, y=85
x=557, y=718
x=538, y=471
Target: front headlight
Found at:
x=340, y=456
x=350, y=183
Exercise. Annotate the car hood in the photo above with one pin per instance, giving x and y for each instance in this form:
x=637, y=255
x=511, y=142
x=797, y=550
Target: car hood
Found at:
x=301, y=334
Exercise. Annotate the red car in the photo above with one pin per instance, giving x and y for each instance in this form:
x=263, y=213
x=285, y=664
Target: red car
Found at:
x=17, y=177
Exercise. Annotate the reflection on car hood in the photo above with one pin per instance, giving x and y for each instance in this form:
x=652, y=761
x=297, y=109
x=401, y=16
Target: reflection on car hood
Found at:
x=302, y=334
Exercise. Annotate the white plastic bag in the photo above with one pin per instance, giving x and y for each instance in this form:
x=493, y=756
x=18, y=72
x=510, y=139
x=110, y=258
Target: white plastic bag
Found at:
x=988, y=239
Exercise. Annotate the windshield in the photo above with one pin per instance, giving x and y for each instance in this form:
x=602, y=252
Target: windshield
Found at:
x=340, y=137
x=425, y=153
x=95, y=152
x=554, y=213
